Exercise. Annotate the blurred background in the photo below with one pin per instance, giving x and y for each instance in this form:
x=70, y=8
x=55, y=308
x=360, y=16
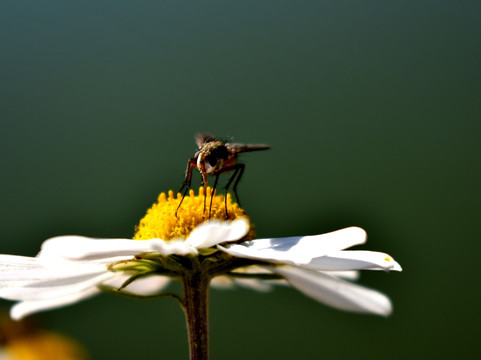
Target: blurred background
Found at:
x=373, y=112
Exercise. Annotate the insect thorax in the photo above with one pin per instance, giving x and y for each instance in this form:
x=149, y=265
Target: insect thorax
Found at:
x=213, y=154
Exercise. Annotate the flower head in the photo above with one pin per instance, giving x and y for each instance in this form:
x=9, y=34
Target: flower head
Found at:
x=25, y=340
x=225, y=252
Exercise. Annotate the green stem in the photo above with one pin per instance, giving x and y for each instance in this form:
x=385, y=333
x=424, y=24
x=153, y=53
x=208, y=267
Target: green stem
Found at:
x=195, y=288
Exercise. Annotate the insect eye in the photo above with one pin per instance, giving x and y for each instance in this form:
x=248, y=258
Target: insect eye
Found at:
x=219, y=153
x=211, y=159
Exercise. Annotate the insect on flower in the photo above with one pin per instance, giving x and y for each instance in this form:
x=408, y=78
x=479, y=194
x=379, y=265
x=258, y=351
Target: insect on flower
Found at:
x=216, y=157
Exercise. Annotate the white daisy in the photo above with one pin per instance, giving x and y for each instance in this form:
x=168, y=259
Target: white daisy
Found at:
x=221, y=252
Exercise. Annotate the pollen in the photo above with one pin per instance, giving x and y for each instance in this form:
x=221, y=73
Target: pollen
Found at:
x=162, y=222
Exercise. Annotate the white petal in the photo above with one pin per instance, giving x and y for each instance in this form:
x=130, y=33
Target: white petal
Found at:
x=8, y=262
x=223, y=282
x=16, y=270
x=231, y=281
x=354, y=260
x=254, y=284
x=178, y=247
x=54, y=288
x=299, y=249
x=24, y=308
x=145, y=286
x=84, y=248
x=335, y=292
x=348, y=275
x=215, y=232
x=107, y=250
x=45, y=275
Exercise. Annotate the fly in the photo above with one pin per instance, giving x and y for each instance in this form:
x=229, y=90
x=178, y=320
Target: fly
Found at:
x=216, y=157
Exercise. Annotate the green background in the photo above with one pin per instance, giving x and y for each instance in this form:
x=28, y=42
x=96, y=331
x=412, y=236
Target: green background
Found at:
x=373, y=111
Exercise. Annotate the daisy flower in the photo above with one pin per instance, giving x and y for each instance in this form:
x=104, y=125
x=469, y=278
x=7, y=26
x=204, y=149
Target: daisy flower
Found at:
x=198, y=253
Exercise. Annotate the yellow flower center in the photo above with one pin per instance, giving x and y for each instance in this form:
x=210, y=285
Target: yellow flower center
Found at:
x=161, y=220
x=43, y=345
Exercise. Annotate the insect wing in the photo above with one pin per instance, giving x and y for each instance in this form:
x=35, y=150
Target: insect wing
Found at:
x=240, y=148
x=203, y=138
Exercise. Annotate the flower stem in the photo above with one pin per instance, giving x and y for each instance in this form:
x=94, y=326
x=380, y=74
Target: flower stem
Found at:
x=195, y=288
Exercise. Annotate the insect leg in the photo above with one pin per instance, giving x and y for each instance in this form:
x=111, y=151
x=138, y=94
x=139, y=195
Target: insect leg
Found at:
x=188, y=174
x=212, y=194
x=238, y=171
x=187, y=182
